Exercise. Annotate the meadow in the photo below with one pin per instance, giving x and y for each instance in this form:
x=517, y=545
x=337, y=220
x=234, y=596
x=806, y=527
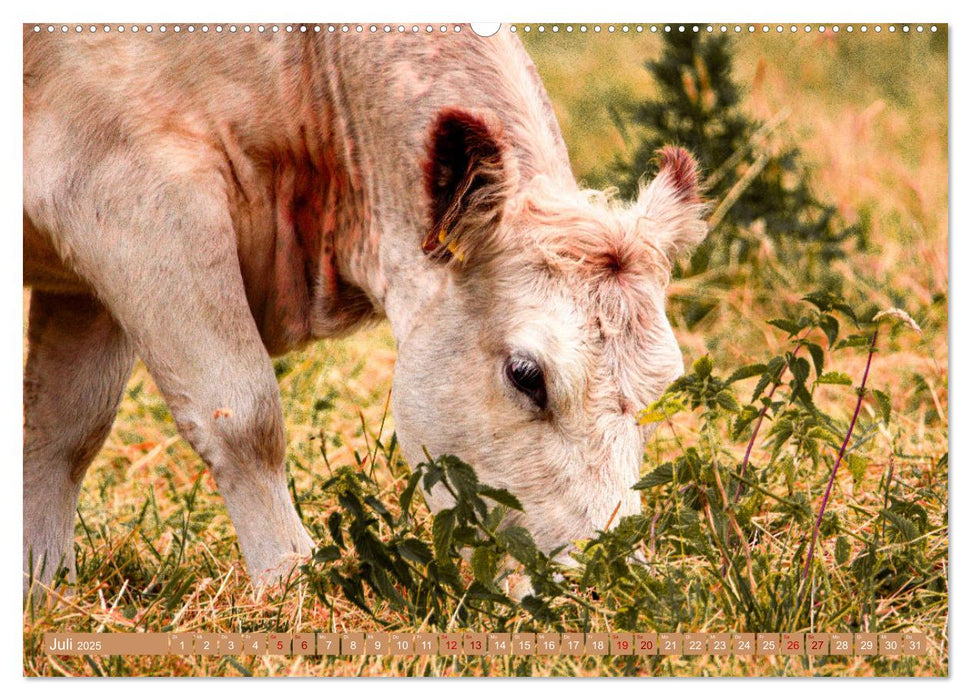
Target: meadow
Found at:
x=869, y=113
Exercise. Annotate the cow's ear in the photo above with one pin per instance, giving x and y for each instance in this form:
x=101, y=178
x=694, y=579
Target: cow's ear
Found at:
x=673, y=204
x=467, y=181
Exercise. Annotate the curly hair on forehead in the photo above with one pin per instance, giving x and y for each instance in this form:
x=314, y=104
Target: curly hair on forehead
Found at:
x=588, y=232
x=620, y=252
x=597, y=232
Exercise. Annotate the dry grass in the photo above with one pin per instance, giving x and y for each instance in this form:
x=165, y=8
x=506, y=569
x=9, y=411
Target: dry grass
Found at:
x=156, y=549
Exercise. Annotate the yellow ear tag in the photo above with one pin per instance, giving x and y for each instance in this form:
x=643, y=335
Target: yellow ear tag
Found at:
x=452, y=247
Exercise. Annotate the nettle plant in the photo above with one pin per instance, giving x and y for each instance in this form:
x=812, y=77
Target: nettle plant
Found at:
x=723, y=534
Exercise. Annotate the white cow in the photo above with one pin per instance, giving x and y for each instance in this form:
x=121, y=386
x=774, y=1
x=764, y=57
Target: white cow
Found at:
x=206, y=201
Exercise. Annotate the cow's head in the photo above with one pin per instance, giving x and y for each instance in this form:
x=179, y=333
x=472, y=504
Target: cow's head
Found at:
x=548, y=332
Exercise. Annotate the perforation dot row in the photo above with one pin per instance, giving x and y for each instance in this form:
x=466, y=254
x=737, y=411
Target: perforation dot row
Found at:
x=428, y=28
x=712, y=28
x=246, y=28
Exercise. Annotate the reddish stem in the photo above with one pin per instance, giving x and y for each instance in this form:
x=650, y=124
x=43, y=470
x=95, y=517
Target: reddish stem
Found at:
x=839, y=459
x=758, y=424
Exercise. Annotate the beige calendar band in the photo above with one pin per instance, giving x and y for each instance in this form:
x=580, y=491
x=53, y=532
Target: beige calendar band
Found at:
x=486, y=644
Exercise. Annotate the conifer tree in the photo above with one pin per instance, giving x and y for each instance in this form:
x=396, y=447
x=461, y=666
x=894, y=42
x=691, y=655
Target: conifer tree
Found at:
x=698, y=105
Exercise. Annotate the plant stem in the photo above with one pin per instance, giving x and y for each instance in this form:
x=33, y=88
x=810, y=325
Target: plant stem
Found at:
x=730, y=514
x=738, y=189
x=758, y=423
x=759, y=136
x=861, y=392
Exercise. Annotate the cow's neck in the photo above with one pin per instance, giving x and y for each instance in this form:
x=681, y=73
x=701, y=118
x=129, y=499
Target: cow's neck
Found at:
x=353, y=172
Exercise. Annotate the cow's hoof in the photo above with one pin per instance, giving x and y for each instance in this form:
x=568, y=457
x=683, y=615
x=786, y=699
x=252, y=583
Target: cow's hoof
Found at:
x=282, y=573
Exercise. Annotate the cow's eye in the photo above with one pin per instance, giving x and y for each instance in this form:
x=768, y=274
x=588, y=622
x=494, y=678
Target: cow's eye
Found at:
x=527, y=377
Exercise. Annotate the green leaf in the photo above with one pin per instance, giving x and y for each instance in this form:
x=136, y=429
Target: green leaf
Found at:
x=353, y=589
x=835, y=378
x=802, y=395
x=772, y=373
x=912, y=511
x=884, y=402
x=776, y=365
x=409, y=493
x=501, y=496
x=465, y=535
x=790, y=327
x=746, y=372
x=842, y=552
x=519, y=543
x=906, y=527
x=703, y=366
x=478, y=591
x=327, y=554
x=857, y=465
x=829, y=525
x=443, y=529
x=761, y=386
x=460, y=475
x=818, y=356
x=827, y=301
x=494, y=518
x=334, y=527
x=485, y=565
x=823, y=432
x=822, y=300
x=368, y=547
x=352, y=503
x=662, y=475
x=799, y=367
x=858, y=340
x=831, y=327
x=379, y=508
x=726, y=399
x=415, y=550
x=385, y=589
x=431, y=476
x=662, y=409
x=744, y=419
x=540, y=611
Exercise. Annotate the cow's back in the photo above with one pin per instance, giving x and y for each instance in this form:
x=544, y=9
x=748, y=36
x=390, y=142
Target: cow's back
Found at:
x=109, y=90
x=166, y=101
x=324, y=134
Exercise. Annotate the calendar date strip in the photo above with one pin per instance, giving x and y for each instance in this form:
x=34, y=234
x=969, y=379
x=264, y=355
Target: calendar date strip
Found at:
x=486, y=644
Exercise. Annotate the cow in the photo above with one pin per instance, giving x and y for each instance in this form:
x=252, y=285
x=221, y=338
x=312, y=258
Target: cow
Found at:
x=205, y=202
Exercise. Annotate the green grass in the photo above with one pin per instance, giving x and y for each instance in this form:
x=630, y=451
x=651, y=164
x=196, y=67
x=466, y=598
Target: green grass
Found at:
x=156, y=550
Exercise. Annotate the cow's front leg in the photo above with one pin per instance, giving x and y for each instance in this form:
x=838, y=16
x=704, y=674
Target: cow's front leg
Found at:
x=219, y=382
x=217, y=377
x=236, y=424
x=163, y=258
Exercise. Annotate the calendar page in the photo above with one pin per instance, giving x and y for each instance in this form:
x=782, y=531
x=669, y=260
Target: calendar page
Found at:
x=546, y=349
